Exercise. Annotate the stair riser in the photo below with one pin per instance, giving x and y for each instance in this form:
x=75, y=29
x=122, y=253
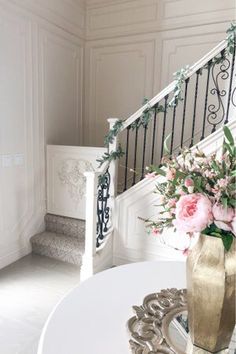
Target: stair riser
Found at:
x=56, y=254
x=65, y=226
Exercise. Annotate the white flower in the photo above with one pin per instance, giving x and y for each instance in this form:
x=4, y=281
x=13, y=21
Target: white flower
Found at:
x=191, y=189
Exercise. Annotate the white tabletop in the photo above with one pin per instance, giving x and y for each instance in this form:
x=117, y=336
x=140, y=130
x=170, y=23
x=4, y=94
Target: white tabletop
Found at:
x=92, y=318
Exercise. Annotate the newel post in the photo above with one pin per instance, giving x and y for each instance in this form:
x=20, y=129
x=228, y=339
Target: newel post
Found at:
x=114, y=164
x=87, y=268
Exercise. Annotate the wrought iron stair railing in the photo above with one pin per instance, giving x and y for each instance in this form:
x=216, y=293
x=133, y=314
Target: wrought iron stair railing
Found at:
x=209, y=99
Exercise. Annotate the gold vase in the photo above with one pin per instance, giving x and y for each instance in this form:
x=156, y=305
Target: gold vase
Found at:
x=211, y=293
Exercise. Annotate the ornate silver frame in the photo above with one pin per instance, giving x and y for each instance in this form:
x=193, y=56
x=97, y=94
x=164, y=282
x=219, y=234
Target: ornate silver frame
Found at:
x=149, y=327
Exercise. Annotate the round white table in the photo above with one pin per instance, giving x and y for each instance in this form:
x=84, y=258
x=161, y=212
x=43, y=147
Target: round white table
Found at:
x=92, y=318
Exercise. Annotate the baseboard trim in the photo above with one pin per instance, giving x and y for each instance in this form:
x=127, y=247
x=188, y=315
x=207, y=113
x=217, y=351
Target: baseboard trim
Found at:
x=14, y=256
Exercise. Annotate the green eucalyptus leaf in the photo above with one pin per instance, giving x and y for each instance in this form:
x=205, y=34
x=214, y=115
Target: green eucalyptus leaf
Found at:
x=228, y=147
x=227, y=241
x=224, y=202
x=232, y=202
x=158, y=170
x=228, y=135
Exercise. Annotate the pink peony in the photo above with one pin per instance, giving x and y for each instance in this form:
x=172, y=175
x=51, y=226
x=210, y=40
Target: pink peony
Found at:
x=193, y=213
x=222, y=214
x=188, y=182
x=223, y=225
x=170, y=174
x=223, y=217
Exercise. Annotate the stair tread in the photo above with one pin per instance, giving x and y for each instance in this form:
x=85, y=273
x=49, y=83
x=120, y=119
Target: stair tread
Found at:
x=59, y=241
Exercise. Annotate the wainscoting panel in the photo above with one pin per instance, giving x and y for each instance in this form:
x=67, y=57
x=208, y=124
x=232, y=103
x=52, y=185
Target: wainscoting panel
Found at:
x=115, y=18
x=61, y=73
x=16, y=136
x=114, y=70
x=41, y=85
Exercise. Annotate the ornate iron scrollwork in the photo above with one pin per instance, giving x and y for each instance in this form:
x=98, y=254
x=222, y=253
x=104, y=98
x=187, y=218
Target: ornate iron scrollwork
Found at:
x=103, y=210
x=233, y=97
x=220, y=73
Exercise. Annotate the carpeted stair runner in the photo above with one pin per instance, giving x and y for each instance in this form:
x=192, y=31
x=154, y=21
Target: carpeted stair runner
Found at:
x=63, y=239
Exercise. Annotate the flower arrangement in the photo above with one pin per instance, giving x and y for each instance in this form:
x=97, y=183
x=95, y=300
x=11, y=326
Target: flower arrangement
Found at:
x=198, y=194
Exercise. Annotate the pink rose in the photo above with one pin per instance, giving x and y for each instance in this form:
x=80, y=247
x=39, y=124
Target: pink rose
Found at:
x=188, y=182
x=170, y=174
x=193, y=213
x=222, y=214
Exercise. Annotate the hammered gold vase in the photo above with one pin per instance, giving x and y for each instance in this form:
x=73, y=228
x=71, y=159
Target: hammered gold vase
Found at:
x=211, y=275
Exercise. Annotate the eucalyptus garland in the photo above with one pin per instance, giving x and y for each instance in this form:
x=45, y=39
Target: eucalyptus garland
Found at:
x=109, y=138
x=111, y=155
x=147, y=115
x=231, y=36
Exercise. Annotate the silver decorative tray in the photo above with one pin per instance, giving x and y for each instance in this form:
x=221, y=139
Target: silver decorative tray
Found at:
x=160, y=325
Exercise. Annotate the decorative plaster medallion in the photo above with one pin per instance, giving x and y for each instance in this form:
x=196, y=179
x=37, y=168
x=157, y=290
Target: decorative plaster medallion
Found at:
x=71, y=173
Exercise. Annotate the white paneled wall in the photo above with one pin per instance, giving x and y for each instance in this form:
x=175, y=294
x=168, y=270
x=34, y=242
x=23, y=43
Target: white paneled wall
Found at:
x=123, y=50
x=41, y=45
x=134, y=46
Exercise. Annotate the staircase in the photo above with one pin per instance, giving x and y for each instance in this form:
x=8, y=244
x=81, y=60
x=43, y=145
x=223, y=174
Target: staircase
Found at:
x=190, y=113
x=63, y=239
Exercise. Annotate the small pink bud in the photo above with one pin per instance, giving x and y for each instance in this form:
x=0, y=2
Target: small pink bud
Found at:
x=155, y=231
x=170, y=174
x=151, y=175
x=172, y=203
x=188, y=182
x=186, y=252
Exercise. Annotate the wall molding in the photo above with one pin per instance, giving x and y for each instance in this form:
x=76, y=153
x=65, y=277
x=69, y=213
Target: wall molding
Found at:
x=69, y=14
x=106, y=19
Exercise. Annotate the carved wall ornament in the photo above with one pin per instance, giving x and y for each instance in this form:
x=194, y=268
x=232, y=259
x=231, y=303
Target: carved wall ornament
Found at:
x=71, y=173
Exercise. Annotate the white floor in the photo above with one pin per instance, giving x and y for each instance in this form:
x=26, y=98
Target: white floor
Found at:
x=29, y=289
